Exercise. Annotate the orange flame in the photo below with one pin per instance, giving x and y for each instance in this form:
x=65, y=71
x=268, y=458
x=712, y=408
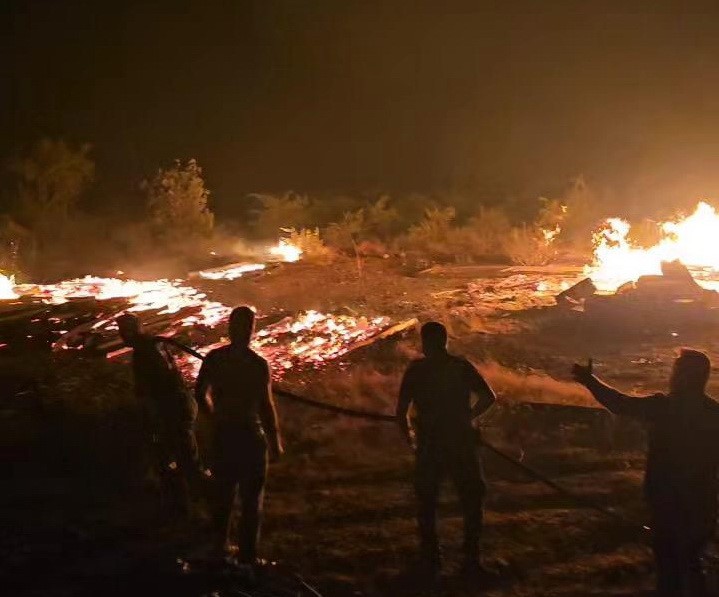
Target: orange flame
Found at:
x=286, y=251
x=693, y=240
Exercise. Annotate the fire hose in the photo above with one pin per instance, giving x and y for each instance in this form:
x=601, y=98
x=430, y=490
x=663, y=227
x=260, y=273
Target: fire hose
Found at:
x=375, y=416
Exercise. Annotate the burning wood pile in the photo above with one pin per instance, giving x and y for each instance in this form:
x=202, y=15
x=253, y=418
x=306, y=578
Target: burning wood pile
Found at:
x=677, y=275
x=80, y=315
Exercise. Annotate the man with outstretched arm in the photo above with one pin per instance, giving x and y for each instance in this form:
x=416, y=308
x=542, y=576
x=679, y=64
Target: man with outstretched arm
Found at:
x=234, y=387
x=169, y=414
x=439, y=386
x=680, y=482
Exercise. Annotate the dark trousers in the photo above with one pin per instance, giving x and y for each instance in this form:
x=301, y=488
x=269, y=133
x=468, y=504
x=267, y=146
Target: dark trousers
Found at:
x=680, y=534
x=461, y=464
x=240, y=465
x=178, y=465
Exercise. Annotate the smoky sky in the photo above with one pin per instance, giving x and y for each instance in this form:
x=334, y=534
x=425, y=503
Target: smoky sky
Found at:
x=502, y=98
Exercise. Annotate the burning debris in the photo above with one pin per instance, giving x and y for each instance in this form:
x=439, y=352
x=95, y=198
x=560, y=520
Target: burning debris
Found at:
x=680, y=272
x=82, y=313
x=691, y=240
x=229, y=272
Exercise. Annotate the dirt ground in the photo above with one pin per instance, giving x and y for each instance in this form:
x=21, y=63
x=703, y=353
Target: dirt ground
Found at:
x=80, y=516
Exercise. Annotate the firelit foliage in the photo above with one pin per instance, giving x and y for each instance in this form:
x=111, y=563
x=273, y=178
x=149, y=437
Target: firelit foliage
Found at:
x=177, y=203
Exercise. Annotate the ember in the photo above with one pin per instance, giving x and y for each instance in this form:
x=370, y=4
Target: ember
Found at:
x=309, y=340
x=172, y=307
x=232, y=272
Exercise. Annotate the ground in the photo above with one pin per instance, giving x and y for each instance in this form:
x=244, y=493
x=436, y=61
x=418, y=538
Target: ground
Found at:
x=81, y=516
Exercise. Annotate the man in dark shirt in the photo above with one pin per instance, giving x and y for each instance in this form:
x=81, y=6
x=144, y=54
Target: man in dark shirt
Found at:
x=680, y=483
x=245, y=425
x=169, y=412
x=440, y=387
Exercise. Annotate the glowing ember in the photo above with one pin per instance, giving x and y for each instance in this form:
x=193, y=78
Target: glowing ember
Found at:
x=232, y=272
x=285, y=251
x=693, y=240
x=163, y=296
x=7, y=287
x=309, y=340
x=172, y=307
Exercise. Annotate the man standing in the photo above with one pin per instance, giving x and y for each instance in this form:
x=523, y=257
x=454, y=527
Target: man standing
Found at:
x=682, y=462
x=169, y=412
x=440, y=387
x=245, y=426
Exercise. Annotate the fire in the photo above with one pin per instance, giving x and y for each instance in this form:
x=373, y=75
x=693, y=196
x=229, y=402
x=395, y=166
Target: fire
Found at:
x=286, y=251
x=7, y=287
x=232, y=272
x=162, y=296
x=174, y=307
x=550, y=234
x=308, y=340
x=693, y=240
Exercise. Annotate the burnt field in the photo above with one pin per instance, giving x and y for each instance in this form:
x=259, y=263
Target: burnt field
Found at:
x=79, y=510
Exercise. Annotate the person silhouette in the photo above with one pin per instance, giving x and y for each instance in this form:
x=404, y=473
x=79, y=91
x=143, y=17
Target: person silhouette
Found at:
x=234, y=387
x=169, y=414
x=439, y=387
x=680, y=483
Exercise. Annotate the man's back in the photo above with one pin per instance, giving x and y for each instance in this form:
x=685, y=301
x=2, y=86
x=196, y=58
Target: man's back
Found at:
x=440, y=387
x=239, y=379
x=158, y=380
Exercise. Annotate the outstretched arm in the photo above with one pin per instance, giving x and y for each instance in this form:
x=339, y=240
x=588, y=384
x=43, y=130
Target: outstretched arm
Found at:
x=268, y=417
x=482, y=390
x=612, y=399
x=403, y=404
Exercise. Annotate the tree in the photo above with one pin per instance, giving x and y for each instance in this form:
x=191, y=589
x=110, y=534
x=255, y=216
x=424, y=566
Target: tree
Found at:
x=51, y=180
x=177, y=203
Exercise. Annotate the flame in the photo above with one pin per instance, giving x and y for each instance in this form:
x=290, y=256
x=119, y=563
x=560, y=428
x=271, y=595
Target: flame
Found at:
x=7, y=287
x=232, y=272
x=163, y=296
x=550, y=234
x=308, y=340
x=286, y=251
x=692, y=240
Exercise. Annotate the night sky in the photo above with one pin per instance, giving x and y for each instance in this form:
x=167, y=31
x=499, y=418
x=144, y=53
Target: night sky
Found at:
x=339, y=95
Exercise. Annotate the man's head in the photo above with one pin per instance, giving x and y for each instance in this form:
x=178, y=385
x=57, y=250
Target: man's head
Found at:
x=434, y=338
x=242, y=325
x=690, y=373
x=130, y=328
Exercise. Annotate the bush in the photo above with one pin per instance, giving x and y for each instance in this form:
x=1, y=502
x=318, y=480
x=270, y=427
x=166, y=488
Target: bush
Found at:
x=490, y=228
x=432, y=236
x=281, y=211
x=530, y=245
x=177, y=204
x=347, y=233
x=311, y=244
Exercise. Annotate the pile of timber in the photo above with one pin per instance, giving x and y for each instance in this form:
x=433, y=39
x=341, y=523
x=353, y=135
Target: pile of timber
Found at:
x=674, y=292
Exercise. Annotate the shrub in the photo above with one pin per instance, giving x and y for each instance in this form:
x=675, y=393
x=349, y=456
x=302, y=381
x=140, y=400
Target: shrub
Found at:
x=432, y=235
x=177, y=204
x=311, y=244
x=347, y=233
x=530, y=245
x=490, y=228
x=281, y=211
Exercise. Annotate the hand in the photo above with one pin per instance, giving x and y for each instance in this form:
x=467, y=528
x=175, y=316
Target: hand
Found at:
x=582, y=373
